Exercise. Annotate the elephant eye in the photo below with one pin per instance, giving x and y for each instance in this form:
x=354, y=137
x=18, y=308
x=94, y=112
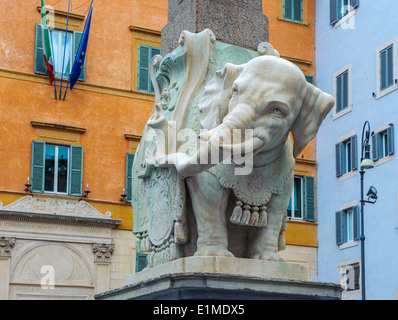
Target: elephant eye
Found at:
x=277, y=112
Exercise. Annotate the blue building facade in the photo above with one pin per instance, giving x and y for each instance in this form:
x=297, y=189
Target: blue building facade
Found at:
x=357, y=62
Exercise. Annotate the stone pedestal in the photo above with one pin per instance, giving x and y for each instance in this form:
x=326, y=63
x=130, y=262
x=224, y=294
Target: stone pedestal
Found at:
x=220, y=278
x=240, y=23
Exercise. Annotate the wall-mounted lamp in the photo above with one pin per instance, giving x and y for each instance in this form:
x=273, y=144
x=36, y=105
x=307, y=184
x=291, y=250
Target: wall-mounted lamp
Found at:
x=87, y=192
x=123, y=196
x=28, y=185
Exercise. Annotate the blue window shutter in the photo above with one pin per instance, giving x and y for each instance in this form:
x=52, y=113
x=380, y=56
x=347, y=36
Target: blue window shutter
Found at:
x=76, y=42
x=339, y=94
x=38, y=165
x=40, y=64
x=76, y=171
x=345, y=90
x=339, y=171
x=390, y=66
x=354, y=4
x=334, y=16
x=356, y=223
x=375, y=147
x=391, y=140
x=309, y=198
x=141, y=262
x=354, y=153
x=340, y=227
x=383, y=69
x=129, y=175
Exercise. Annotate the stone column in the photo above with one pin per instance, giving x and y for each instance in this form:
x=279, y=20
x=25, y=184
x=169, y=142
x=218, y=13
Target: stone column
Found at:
x=6, y=245
x=102, y=266
x=241, y=23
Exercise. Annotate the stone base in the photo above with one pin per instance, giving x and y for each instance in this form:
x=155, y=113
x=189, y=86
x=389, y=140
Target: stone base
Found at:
x=219, y=278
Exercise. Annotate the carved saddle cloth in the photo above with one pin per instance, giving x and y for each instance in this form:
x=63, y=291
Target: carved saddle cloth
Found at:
x=254, y=191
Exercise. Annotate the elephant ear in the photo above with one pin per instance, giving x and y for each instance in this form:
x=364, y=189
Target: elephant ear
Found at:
x=316, y=105
x=215, y=100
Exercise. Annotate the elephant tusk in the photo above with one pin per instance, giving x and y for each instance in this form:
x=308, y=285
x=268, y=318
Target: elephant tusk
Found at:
x=246, y=146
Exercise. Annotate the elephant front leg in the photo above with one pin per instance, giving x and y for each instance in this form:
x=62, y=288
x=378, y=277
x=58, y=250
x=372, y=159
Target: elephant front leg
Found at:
x=210, y=201
x=264, y=243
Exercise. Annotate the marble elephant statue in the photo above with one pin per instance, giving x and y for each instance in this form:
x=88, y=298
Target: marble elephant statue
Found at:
x=244, y=215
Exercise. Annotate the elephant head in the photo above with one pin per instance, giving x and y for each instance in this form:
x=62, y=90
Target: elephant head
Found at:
x=268, y=95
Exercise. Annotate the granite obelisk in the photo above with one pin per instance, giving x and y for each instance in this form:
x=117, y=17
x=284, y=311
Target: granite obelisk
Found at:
x=239, y=23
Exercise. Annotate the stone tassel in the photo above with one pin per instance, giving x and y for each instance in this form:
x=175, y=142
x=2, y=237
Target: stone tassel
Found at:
x=254, y=217
x=246, y=215
x=237, y=213
x=263, y=220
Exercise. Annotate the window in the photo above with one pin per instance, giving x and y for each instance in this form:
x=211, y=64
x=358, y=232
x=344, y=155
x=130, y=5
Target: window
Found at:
x=383, y=143
x=145, y=54
x=342, y=92
x=129, y=176
x=350, y=278
x=302, y=201
x=293, y=10
x=347, y=225
x=341, y=8
x=57, y=168
x=141, y=262
x=346, y=156
x=58, y=48
x=386, y=68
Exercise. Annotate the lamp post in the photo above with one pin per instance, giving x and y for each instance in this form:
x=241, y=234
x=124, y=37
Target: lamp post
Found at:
x=366, y=163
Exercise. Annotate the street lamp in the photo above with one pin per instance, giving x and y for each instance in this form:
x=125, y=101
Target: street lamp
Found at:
x=366, y=163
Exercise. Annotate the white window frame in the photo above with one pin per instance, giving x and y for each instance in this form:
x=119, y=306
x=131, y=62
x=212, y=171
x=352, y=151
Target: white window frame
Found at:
x=348, y=207
x=349, y=265
x=293, y=217
x=345, y=17
x=343, y=112
x=57, y=146
x=381, y=93
x=351, y=173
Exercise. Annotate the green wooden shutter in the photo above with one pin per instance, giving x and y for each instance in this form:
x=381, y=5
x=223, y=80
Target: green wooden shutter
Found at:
x=40, y=64
x=310, y=79
x=129, y=175
x=309, y=199
x=287, y=9
x=298, y=10
x=334, y=16
x=143, y=68
x=354, y=4
x=383, y=70
x=76, y=42
x=356, y=223
x=339, y=95
x=354, y=153
x=76, y=171
x=344, y=90
x=391, y=140
x=341, y=227
x=38, y=165
x=390, y=66
x=141, y=262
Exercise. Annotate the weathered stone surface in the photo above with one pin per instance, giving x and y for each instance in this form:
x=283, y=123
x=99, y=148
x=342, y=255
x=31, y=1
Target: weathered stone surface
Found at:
x=240, y=23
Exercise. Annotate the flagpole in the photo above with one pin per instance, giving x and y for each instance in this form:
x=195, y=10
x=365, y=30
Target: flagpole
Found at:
x=81, y=39
x=55, y=82
x=63, y=60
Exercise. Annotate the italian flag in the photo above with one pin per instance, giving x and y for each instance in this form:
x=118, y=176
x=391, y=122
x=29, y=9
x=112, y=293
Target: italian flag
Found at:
x=46, y=44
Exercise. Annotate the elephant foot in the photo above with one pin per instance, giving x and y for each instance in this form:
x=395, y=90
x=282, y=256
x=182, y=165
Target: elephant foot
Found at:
x=213, y=251
x=269, y=256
